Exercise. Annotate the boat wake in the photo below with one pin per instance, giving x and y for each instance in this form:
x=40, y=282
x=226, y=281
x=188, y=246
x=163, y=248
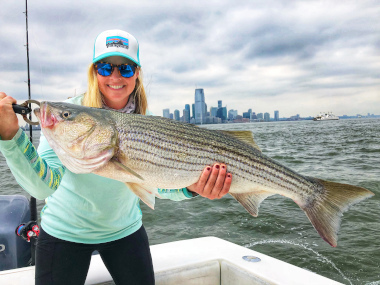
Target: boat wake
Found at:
x=323, y=258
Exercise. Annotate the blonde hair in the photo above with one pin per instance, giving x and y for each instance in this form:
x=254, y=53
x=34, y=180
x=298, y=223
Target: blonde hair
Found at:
x=93, y=97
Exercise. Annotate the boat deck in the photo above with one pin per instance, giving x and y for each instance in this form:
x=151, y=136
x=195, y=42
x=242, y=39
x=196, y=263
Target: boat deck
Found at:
x=207, y=260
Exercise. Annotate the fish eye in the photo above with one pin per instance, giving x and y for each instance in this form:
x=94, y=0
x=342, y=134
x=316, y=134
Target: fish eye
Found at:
x=66, y=114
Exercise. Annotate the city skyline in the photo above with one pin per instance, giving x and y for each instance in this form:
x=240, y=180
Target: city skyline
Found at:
x=200, y=110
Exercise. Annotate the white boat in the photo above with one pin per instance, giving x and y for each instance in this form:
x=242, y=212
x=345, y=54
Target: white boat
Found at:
x=326, y=117
x=200, y=261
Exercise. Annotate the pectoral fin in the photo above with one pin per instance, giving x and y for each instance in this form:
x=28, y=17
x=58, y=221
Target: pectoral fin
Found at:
x=127, y=169
x=251, y=201
x=145, y=193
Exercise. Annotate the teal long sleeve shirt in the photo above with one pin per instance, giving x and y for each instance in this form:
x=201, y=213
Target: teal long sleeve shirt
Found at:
x=84, y=208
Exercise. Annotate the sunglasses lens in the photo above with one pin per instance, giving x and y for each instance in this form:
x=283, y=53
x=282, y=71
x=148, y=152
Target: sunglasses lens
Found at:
x=127, y=70
x=104, y=69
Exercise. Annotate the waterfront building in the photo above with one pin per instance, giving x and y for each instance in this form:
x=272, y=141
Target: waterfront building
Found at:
x=187, y=119
x=171, y=116
x=213, y=120
x=260, y=116
x=193, y=111
x=166, y=113
x=246, y=115
x=209, y=120
x=276, y=115
x=266, y=117
x=232, y=114
x=295, y=118
x=186, y=116
x=176, y=115
x=200, y=106
x=213, y=111
x=222, y=113
x=219, y=103
x=240, y=119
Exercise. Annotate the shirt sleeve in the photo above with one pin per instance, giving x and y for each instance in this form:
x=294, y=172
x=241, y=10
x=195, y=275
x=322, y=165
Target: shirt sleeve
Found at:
x=32, y=171
x=175, y=194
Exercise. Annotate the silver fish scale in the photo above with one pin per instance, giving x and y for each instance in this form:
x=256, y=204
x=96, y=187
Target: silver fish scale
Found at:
x=151, y=143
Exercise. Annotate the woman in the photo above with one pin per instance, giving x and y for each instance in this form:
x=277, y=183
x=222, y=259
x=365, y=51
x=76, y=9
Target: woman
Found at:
x=87, y=212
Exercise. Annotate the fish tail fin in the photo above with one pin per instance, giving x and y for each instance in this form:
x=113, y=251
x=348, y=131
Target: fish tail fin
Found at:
x=145, y=193
x=325, y=213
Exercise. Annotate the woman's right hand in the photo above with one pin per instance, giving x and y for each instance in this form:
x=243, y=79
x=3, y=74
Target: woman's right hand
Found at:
x=8, y=119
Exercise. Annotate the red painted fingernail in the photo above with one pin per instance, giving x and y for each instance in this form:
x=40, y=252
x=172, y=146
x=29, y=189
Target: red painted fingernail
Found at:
x=223, y=166
x=229, y=175
x=217, y=166
x=208, y=168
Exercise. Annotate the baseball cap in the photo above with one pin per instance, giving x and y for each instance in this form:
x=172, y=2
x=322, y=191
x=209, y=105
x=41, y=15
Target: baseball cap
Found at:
x=116, y=43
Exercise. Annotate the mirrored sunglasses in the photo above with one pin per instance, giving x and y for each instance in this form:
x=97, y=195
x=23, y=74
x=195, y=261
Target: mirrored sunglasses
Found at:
x=105, y=69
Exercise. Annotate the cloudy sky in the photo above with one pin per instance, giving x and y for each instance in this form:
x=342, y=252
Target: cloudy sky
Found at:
x=298, y=57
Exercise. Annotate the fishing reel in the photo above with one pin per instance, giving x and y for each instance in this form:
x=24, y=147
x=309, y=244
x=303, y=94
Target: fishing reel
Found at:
x=28, y=230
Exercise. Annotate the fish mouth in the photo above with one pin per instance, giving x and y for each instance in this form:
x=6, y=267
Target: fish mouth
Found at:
x=37, y=112
x=46, y=118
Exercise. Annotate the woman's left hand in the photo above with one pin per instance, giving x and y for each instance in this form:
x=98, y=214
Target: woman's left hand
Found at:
x=214, y=182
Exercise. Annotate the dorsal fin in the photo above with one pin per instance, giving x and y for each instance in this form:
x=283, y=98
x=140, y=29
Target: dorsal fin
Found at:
x=245, y=136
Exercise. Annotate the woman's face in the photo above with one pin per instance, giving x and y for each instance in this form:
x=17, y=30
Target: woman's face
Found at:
x=115, y=88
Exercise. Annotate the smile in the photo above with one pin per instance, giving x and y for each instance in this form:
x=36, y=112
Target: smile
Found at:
x=116, y=86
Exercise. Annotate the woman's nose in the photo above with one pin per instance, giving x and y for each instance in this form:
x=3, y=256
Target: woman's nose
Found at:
x=115, y=73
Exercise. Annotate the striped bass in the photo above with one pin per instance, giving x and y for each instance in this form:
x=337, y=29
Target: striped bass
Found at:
x=148, y=152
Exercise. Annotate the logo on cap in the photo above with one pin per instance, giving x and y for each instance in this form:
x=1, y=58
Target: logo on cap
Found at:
x=117, y=42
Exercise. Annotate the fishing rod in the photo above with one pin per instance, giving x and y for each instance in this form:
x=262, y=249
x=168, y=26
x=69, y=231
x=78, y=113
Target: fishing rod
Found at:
x=30, y=230
x=32, y=202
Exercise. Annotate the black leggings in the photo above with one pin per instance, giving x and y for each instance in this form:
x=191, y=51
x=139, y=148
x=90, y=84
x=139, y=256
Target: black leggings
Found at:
x=62, y=262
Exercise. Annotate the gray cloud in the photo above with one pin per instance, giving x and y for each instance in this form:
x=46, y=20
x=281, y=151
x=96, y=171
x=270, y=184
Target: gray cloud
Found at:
x=252, y=54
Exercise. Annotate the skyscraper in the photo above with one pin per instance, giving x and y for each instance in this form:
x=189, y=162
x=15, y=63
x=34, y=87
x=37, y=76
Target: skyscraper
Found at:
x=276, y=115
x=187, y=118
x=176, y=115
x=266, y=117
x=213, y=111
x=200, y=106
x=166, y=113
x=219, y=103
x=232, y=114
x=246, y=115
x=222, y=113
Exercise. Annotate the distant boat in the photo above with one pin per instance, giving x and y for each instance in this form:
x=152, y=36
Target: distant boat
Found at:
x=326, y=117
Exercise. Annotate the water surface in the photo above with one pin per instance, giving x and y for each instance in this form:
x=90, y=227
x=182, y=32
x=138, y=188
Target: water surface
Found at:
x=346, y=151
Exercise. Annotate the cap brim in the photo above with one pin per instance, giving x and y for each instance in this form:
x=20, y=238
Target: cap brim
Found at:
x=115, y=54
